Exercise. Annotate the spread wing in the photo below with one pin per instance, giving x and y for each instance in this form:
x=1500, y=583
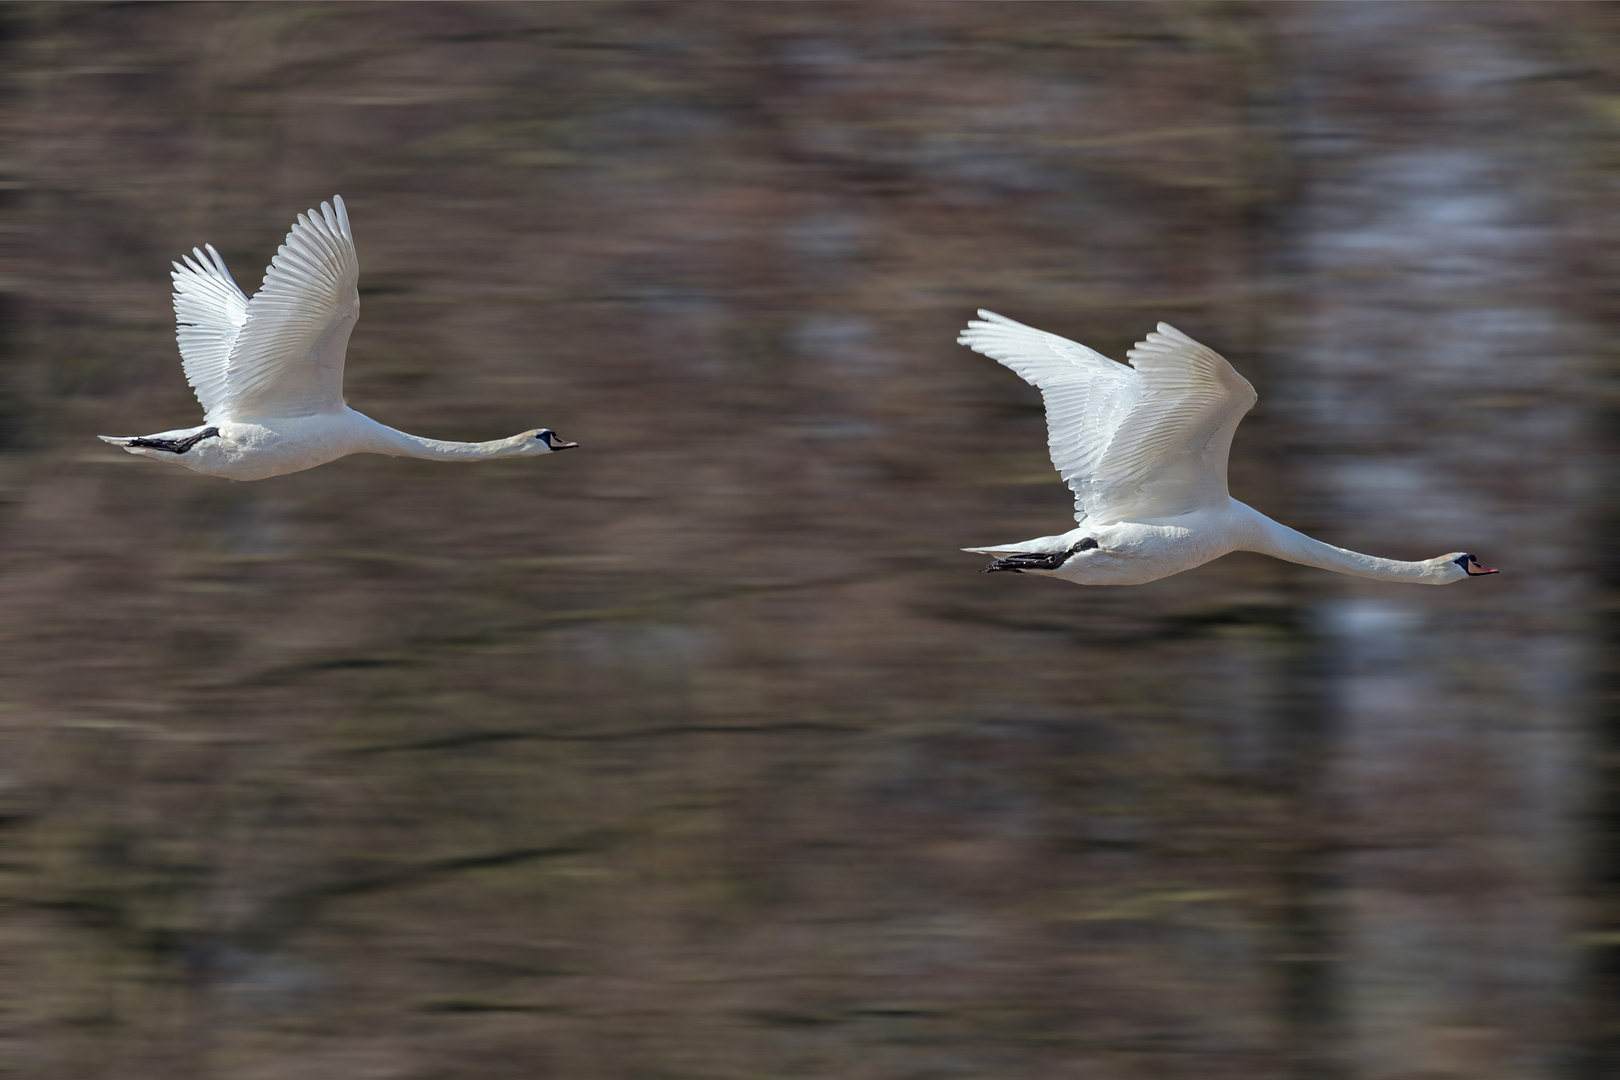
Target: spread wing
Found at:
x=287, y=358
x=1169, y=455
x=1087, y=395
x=1145, y=441
x=209, y=310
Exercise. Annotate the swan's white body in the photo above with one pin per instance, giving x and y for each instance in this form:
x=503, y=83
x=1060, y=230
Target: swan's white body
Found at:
x=269, y=371
x=1144, y=449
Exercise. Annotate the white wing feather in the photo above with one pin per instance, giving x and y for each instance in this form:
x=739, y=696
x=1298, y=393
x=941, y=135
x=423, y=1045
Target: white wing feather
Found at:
x=1087, y=395
x=1146, y=441
x=1169, y=456
x=209, y=310
x=287, y=359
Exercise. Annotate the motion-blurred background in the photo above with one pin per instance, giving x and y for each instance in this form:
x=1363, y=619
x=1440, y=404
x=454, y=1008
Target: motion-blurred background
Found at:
x=702, y=752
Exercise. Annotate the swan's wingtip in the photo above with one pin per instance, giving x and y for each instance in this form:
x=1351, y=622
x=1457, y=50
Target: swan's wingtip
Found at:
x=987, y=320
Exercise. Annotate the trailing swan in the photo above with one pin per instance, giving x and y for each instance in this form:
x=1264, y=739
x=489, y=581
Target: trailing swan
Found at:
x=269, y=371
x=1144, y=449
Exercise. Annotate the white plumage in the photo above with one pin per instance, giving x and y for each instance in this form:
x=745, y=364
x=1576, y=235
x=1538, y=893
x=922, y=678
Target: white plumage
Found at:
x=269, y=371
x=1144, y=448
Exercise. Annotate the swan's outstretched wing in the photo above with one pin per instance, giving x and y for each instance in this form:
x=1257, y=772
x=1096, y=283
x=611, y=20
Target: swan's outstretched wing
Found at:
x=1168, y=457
x=288, y=356
x=209, y=310
x=1087, y=395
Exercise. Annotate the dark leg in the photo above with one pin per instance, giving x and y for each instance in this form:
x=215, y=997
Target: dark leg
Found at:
x=177, y=446
x=1017, y=564
x=1029, y=560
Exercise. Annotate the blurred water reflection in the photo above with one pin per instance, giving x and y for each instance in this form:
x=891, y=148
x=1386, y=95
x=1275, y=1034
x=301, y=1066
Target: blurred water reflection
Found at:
x=703, y=752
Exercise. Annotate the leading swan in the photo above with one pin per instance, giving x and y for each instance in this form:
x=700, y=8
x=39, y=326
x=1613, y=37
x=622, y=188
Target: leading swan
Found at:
x=1144, y=448
x=269, y=371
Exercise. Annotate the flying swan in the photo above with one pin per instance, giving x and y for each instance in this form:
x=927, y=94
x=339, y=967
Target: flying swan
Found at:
x=1144, y=449
x=269, y=371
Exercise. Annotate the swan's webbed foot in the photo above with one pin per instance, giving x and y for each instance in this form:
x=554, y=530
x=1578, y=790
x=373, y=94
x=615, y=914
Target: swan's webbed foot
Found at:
x=176, y=446
x=1018, y=562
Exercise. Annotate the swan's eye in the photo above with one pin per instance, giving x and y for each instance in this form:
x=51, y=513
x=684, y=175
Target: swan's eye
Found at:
x=541, y=435
x=1084, y=545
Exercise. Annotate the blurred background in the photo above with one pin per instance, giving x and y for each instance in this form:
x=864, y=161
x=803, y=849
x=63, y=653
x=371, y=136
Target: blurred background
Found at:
x=703, y=753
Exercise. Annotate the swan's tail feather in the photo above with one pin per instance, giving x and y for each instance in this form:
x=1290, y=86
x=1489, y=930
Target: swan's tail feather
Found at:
x=117, y=440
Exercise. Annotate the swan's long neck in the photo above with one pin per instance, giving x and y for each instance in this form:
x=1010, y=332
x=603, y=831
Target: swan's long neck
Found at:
x=1266, y=536
x=396, y=443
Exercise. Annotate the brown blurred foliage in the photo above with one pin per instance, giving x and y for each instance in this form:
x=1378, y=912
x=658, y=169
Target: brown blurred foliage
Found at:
x=702, y=752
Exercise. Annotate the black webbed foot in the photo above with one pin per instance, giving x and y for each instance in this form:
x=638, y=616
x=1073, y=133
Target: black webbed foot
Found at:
x=1017, y=564
x=1032, y=560
x=176, y=446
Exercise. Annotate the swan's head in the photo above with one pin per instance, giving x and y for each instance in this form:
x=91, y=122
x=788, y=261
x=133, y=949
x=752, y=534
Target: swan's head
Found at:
x=1461, y=564
x=544, y=441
